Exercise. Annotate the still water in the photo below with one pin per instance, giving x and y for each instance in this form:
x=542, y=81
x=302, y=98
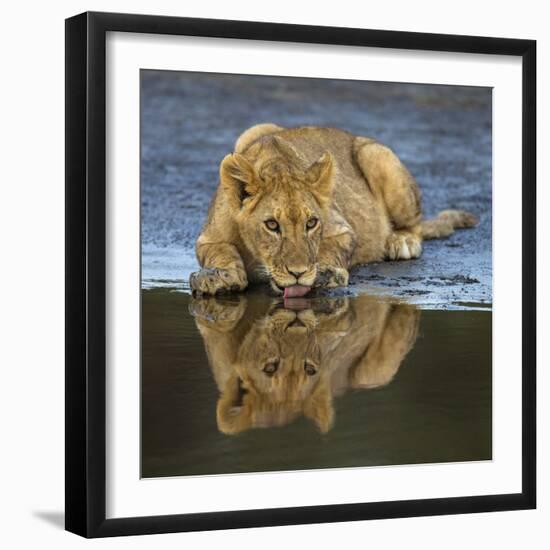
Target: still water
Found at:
x=248, y=383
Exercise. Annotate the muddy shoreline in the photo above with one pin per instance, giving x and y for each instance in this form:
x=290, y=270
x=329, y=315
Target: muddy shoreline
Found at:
x=189, y=121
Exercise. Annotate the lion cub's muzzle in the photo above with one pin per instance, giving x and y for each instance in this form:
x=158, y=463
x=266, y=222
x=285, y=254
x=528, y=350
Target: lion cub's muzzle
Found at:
x=295, y=283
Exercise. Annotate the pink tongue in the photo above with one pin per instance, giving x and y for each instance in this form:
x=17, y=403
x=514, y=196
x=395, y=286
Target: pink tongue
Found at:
x=296, y=291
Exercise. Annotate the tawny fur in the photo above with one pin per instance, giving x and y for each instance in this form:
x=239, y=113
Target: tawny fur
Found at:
x=361, y=202
x=344, y=344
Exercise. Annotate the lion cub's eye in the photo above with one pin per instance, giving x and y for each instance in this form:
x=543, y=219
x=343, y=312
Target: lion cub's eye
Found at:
x=272, y=225
x=310, y=369
x=311, y=223
x=271, y=368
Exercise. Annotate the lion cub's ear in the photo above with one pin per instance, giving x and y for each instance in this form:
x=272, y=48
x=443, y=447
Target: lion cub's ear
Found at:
x=238, y=178
x=232, y=415
x=320, y=177
x=318, y=407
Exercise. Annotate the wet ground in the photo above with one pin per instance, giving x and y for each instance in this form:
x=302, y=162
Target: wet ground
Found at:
x=443, y=134
x=387, y=383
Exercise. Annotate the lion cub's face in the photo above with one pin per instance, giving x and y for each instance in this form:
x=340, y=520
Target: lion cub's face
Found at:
x=280, y=208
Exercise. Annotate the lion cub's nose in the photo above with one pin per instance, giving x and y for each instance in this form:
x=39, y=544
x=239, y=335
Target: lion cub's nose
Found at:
x=297, y=272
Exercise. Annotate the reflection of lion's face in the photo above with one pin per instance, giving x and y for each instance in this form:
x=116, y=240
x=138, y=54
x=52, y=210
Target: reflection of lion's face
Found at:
x=280, y=375
x=280, y=357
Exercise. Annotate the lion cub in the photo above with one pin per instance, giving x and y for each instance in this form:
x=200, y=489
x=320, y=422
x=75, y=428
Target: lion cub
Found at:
x=299, y=207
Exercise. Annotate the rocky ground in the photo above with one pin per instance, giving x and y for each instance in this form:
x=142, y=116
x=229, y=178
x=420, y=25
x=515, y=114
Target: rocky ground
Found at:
x=189, y=121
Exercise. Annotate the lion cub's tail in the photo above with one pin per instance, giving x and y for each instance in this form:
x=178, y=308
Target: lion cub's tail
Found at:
x=446, y=223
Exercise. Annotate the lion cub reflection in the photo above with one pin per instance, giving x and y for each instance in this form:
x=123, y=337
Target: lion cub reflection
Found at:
x=274, y=361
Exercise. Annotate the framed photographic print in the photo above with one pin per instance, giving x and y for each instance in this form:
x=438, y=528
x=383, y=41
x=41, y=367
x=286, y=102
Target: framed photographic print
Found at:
x=300, y=274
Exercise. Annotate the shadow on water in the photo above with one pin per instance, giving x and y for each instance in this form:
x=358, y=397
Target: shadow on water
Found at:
x=247, y=383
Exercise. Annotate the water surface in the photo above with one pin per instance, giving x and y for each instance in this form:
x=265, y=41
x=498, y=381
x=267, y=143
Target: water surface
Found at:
x=247, y=383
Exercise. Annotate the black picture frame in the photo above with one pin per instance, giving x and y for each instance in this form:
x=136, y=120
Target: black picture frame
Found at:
x=86, y=263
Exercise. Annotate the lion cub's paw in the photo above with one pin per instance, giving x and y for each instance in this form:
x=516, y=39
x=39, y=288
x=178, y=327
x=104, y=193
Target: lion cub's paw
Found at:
x=403, y=245
x=217, y=281
x=331, y=277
